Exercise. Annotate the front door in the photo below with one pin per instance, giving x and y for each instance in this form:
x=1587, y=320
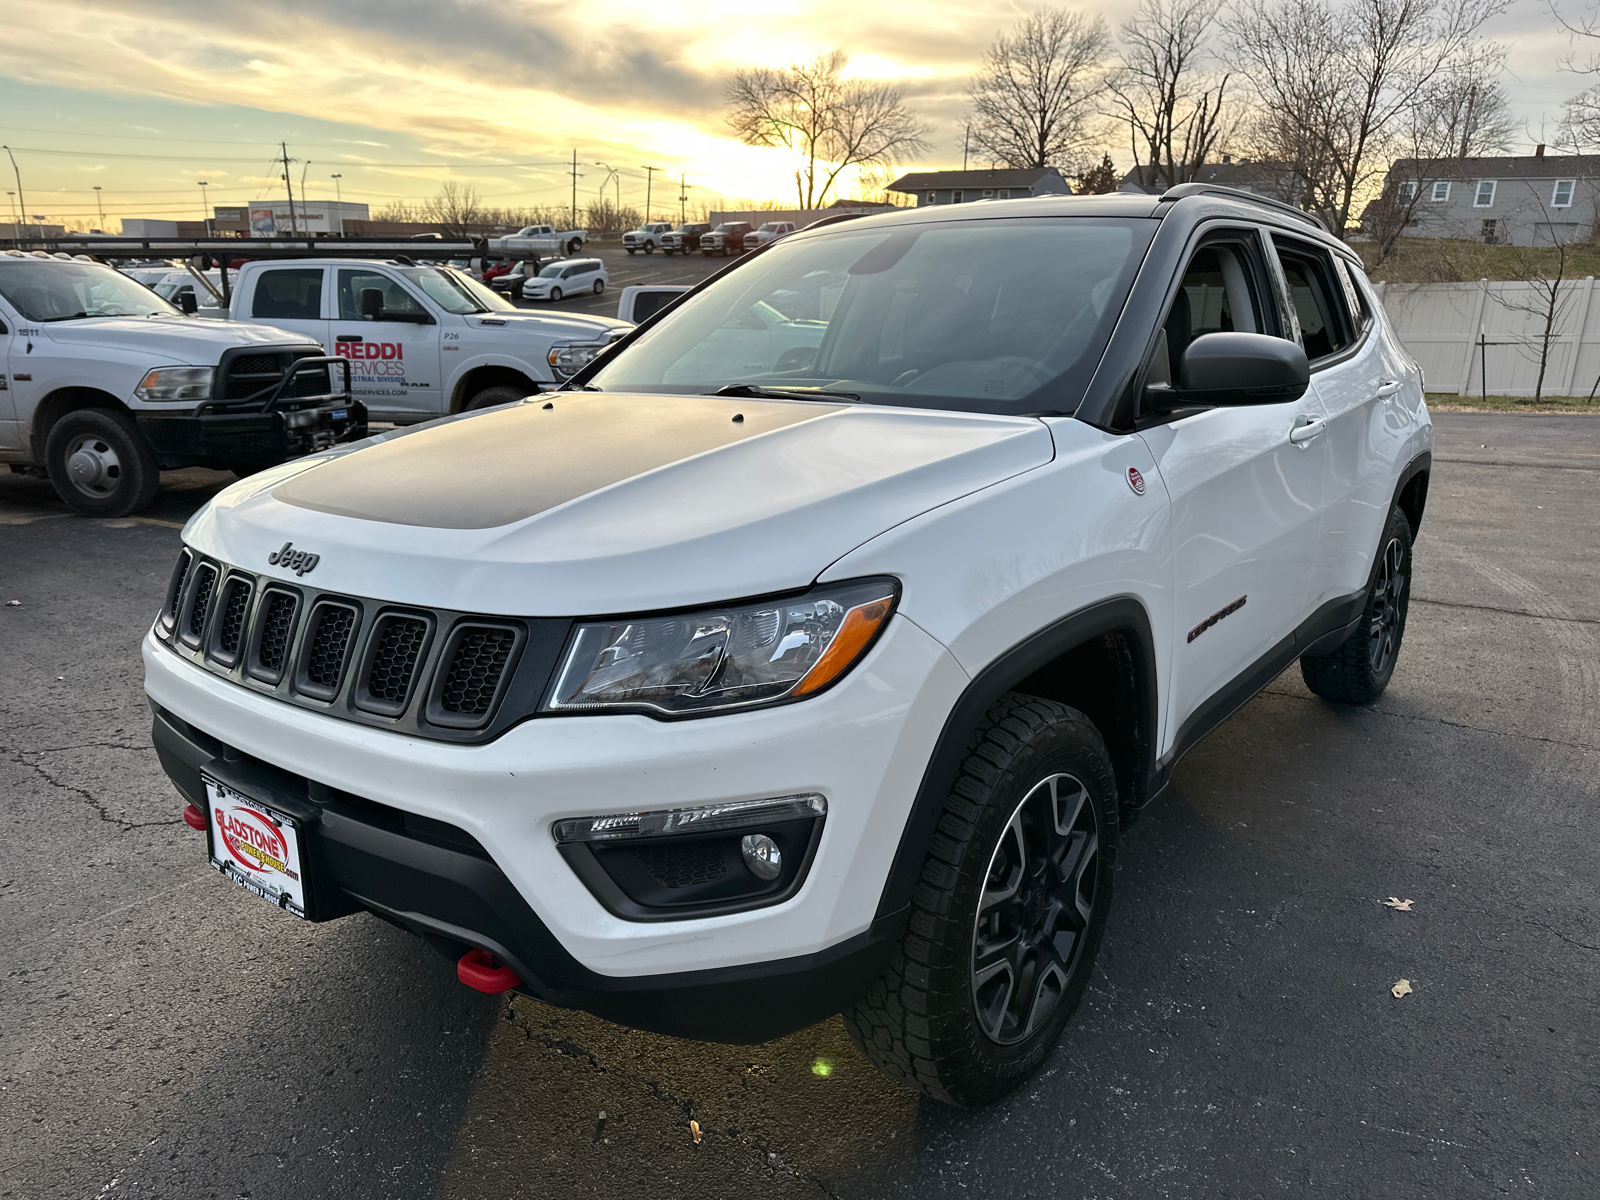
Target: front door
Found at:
x=394, y=364
x=1246, y=499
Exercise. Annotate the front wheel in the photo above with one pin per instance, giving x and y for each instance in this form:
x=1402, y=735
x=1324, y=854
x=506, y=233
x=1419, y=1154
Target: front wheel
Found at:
x=1008, y=911
x=100, y=463
x=599, y=286
x=555, y=294
x=492, y=396
x=1360, y=667
x=649, y=247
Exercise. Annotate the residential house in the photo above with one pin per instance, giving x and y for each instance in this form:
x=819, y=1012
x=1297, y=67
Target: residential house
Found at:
x=1536, y=199
x=963, y=187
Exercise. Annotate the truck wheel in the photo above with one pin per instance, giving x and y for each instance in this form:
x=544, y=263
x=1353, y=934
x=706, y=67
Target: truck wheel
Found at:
x=573, y=247
x=555, y=294
x=100, y=463
x=491, y=396
x=599, y=286
x=649, y=247
x=1358, y=670
x=1008, y=911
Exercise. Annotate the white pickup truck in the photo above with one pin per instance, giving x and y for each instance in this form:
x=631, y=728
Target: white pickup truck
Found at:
x=647, y=237
x=104, y=384
x=534, y=240
x=422, y=341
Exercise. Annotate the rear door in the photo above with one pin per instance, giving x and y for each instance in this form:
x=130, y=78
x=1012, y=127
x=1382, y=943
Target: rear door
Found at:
x=11, y=348
x=1246, y=500
x=394, y=364
x=291, y=297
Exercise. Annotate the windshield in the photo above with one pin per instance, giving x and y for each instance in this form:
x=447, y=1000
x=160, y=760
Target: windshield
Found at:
x=63, y=291
x=1003, y=316
x=553, y=271
x=457, y=293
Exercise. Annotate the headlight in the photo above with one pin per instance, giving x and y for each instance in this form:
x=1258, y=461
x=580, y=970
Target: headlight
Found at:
x=175, y=383
x=724, y=658
x=568, y=359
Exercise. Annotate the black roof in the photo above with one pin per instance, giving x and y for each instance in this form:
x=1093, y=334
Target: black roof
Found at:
x=999, y=177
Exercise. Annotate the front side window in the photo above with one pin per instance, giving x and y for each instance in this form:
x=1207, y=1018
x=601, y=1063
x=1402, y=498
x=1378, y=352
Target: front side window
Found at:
x=63, y=291
x=1218, y=293
x=1316, y=300
x=1561, y=195
x=1441, y=190
x=455, y=292
x=983, y=316
x=1485, y=194
x=289, y=294
x=352, y=282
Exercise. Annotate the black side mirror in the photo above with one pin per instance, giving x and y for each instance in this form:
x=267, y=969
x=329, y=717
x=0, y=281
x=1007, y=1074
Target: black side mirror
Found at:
x=372, y=304
x=1233, y=369
x=188, y=302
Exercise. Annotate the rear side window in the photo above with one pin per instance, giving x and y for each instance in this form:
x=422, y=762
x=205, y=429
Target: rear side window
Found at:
x=1355, y=300
x=288, y=293
x=1320, y=304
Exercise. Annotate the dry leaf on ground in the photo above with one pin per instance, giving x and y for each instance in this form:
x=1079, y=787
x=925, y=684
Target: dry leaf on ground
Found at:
x=1403, y=988
x=694, y=1129
x=1396, y=902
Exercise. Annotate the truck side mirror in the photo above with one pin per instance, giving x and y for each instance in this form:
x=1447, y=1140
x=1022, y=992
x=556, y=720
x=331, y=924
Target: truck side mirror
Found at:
x=189, y=303
x=1234, y=369
x=372, y=304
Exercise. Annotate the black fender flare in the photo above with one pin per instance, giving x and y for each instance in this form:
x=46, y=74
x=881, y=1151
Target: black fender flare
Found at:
x=1120, y=614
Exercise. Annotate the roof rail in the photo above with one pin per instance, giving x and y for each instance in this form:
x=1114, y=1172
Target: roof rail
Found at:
x=1181, y=190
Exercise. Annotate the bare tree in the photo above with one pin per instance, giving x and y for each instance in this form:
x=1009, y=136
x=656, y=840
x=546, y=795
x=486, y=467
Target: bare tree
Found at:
x=1545, y=273
x=1170, y=103
x=1038, y=88
x=1338, y=79
x=833, y=123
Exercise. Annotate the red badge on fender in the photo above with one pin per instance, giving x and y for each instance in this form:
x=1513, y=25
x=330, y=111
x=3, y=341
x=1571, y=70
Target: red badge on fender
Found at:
x=1136, y=481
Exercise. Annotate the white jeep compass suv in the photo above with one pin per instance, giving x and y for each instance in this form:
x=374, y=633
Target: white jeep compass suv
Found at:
x=799, y=661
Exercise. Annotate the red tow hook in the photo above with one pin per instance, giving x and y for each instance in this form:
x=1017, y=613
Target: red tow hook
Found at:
x=476, y=969
x=194, y=818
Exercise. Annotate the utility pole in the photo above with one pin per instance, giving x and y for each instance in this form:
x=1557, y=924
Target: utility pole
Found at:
x=288, y=183
x=22, y=201
x=574, y=187
x=205, y=210
x=101, y=207
x=683, y=200
x=649, y=178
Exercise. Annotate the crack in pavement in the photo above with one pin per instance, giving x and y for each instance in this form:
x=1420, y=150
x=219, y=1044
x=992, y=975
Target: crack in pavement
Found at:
x=16, y=756
x=1512, y=612
x=1389, y=712
x=1506, y=462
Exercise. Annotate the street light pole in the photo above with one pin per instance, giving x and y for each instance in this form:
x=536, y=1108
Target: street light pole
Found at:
x=649, y=178
x=15, y=212
x=22, y=201
x=101, y=207
x=205, y=211
x=338, y=197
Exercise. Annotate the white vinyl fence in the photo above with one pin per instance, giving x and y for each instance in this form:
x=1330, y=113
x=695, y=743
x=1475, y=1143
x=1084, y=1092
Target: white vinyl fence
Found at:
x=1459, y=332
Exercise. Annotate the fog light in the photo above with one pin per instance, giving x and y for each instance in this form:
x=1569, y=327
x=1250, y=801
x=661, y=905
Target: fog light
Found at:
x=761, y=855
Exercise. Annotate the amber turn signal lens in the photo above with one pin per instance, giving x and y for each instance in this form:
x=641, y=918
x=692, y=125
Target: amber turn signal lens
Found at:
x=861, y=625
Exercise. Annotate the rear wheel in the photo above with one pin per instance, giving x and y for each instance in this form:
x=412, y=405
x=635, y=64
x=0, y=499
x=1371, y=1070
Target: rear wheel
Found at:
x=573, y=247
x=100, y=464
x=1357, y=671
x=1008, y=912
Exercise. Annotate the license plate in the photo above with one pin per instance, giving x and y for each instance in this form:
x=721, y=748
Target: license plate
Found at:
x=339, y=414
x=256, y=846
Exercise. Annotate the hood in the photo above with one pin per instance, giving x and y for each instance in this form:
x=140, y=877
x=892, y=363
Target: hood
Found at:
x=575, y=327
x=174, y=339
x=574, y=504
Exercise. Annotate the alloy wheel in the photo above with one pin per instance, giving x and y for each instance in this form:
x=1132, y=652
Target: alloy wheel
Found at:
x=1388, y=597
x=1034, y=914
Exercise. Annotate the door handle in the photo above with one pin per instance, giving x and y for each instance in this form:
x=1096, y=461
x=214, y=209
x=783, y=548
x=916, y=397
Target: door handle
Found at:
x=1304, y=433
x=348, y=337
x=1388, y=388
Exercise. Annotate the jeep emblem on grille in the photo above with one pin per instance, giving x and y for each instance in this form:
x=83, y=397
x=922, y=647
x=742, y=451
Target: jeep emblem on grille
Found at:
x=298, y=561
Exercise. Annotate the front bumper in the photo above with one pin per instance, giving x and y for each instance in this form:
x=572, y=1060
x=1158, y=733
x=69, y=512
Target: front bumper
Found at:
x=260, y=439
x=863, y=745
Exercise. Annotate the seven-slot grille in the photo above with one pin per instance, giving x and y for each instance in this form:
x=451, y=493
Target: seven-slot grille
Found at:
x=248, y=376
x=355, y=658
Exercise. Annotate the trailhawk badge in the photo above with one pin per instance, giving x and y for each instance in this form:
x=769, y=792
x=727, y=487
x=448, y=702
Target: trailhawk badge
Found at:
x=298, y=561
x=1136, y=481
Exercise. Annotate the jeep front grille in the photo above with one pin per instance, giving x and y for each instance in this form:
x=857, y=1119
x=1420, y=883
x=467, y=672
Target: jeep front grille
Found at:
x=433, y=673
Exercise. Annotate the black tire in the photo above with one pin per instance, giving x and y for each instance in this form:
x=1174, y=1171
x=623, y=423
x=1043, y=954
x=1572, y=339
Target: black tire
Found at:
x=599, y=286
x=555, y=294
x=1362, y=665
x=100, y=464
x=573, y=247
x=490, y=396
x=649, y=247
x=948, y=1016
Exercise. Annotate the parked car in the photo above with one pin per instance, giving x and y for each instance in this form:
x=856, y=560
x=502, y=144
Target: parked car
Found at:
x=685, y=238
x=495, y=268
x=567, y=278
x=104, y=384
x=770, y=232
x=511, y=280
x=731, y=237
x=757, y=675
x=640, y=302
x=647, y=237
x=175, y=285
x=422, y=341
x=537, y=241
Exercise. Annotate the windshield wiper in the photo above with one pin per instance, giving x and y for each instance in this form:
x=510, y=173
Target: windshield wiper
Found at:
x=759, y=392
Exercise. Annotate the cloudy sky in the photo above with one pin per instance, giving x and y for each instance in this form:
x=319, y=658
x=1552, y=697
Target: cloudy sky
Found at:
x=145, y=99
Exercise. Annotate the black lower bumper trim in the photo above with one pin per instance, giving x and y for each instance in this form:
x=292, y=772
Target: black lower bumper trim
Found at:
x=260, y=439
x=437, y=881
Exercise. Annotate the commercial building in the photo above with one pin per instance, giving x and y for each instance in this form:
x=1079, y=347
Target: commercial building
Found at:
x=270, y=218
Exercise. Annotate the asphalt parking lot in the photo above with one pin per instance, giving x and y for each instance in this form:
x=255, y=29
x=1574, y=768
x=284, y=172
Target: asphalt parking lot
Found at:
x=627, y=270
x=165, y=1034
